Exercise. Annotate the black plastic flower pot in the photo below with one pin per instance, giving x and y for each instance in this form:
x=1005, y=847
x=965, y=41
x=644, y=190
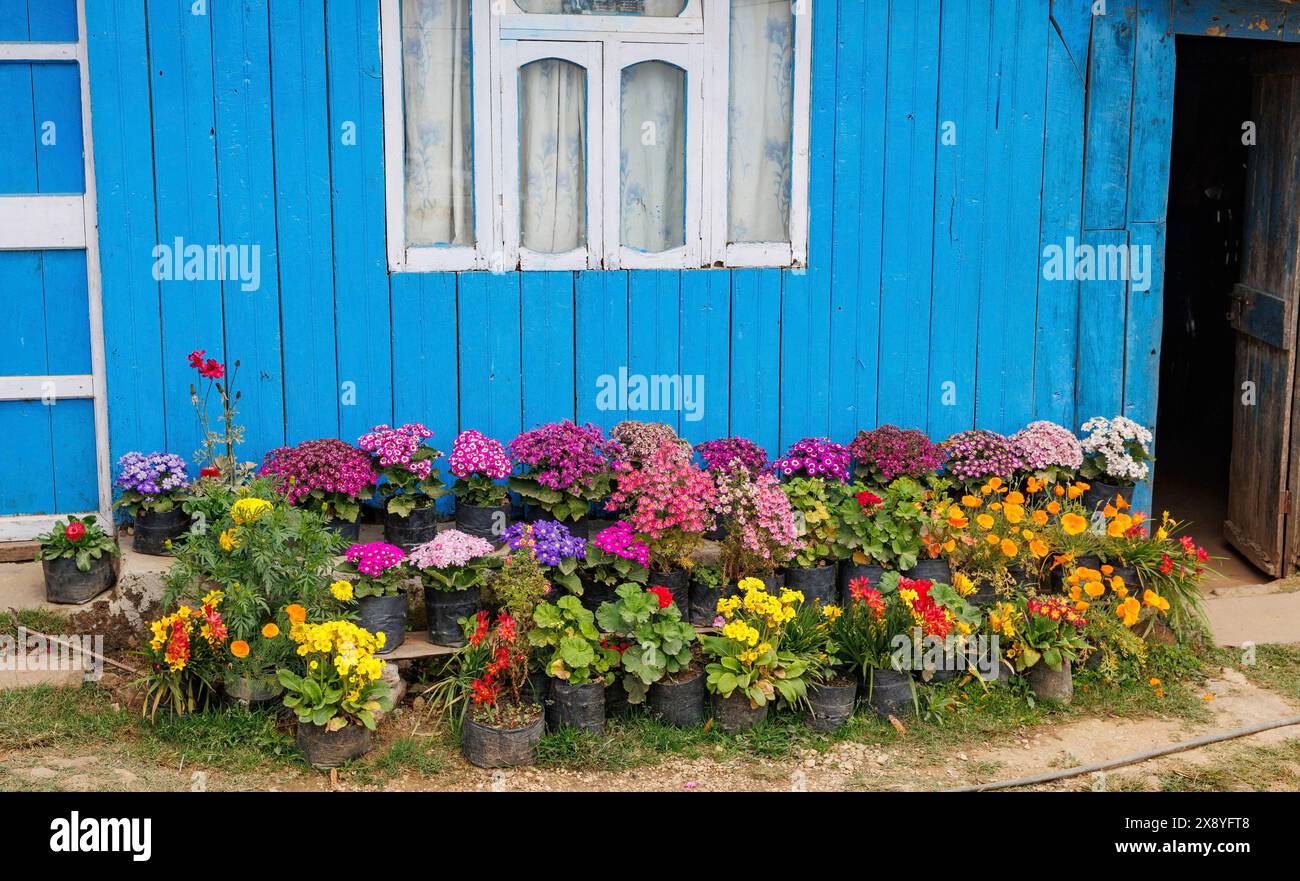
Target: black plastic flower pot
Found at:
x=1100, y=494
x=408, y=532
x=538, y=688
x=329, y=749
x=616, y=702
x=153, y=531
x=594, y=594
x=936, y=571
x=678, y=584
x=679, y=700
x=985, y=594
x=703, y=604
x=889, y=692
x=734, y=714
x=830, y=704
x=348, y=531
x=386, y=615
x=444, y=609
x=65, y=583
x=850, y=571
x=816, y=584
x=1023, y=577
x=1049, y=684
x=488, y=523
x=490, y=747
x=576, y=706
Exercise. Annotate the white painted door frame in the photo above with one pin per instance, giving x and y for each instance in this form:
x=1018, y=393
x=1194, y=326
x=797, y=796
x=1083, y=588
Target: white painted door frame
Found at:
x=34, y=222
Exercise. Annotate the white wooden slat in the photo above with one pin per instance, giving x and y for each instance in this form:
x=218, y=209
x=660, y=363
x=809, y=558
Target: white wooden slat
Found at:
x=38, y=51
x=34, y=223
x=53, y=388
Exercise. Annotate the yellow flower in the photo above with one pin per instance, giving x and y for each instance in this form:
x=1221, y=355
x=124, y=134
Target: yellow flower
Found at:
x=342, y=590
x=249, y=510
x=1119, y=524
x=228, y=540
x=1009, y=548
x=1014, y=513
x=832, y=613
x=962, y=584
x=1155, y=601
x=1073, y=524
x=1129, y=611
x=985, y=521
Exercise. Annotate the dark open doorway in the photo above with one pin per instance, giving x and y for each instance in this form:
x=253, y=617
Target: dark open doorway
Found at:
x=1207, y=204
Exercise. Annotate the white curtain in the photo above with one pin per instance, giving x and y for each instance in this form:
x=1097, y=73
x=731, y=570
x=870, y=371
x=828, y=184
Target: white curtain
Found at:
x=761, y=110
x=652, y=161
x=553, y=156
x=436, y=70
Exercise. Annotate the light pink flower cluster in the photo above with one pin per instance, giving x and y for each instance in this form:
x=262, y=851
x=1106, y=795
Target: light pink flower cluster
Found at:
x=620, y=540
x=1044, y=444
x=396, y=447
x=374, y=558
x=449, y=548
x=475, y=453
x=759, y=514
x=667, y=493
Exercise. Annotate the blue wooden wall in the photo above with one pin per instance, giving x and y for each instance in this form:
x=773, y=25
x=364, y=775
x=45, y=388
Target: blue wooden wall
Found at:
x=924, y=270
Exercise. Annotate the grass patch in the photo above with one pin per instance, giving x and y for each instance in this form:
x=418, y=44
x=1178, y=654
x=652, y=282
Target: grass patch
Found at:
x=40, y=620
x=422, y=756
x=1275, y=667
x=1253, y=769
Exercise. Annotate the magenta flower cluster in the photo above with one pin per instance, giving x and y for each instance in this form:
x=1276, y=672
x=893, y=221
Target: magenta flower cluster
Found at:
x=562, y=455
x=978, y=454
x=448, y=549
x=327, y=465
x=620, y=540
x=153, y=474
x=889, y=452
x=474, y=453
x=1044, y=444
x=397, y=447
x=374, y=558
x=549, y=540
x=728, y=454
x=816, y=457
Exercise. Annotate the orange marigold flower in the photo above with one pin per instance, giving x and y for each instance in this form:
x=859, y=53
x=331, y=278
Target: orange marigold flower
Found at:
x=297, y=614
x=1009, y=548
x=271, y=631
x=239, y=648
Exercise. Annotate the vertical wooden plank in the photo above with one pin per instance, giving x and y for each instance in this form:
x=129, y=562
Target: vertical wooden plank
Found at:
x=246, y=192
x=601, y=343
x=654, y=298
x=1103, y=307
x=13, y=21
x=1004, y=395
x=72, y=422
x=26, y=484
x=364, y=314
x=756, y=357
x=1057, y=332
x=967, y=105
x=185, y=172
x=1153, y=113
x=1110, y=71
x=1143, y=332
x=705, y=334
x=18, y=147
x=1073, y=21
x=53, y=21
x=906, y=269
x=487, y=320
x=300, y=116
x=27, y=468
x=546, y=328
x=124, y=176
x=56, y=108
x=857, y=208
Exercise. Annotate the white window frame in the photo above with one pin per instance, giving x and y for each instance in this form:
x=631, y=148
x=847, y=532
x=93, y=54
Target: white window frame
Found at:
x=697, y=40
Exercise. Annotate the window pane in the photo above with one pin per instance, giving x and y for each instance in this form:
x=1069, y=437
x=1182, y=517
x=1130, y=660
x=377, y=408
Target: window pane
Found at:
x=652, y=170
x=761, y=108
x=658, y=8
x=552, y=156
x=436, y=83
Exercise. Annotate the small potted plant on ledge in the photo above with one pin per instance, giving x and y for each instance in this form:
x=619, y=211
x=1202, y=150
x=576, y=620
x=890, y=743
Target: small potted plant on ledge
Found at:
x=184, y=656
x=761, y=536
x=500, y=725
x=726, y=455
x=551, y=544
x=667, y=500
x=815, y=471
x=977, y=455
x=879, y=530
x=578, y=661
x=613, y=558
x=335, y=688
x=411, y=485
x=1116, y=457
x=750, y=665
x=1048, y=639
x=865, y=636
x=706, y=590
x=482, y=503
x=831, y=686
x=79, y=561
x=251, y=678
x=153, y=487
x=1051, y=452
x=640, y=440
x=453, y=568
x=658, y=659
x=887, y=453
x=377, y=589
x=326, y=476
x=566, y=469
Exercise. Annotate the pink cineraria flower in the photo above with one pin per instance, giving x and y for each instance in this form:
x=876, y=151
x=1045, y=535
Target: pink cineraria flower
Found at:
x=449, y=548
x=397, y=447
x=473, y=453
x=620, y=540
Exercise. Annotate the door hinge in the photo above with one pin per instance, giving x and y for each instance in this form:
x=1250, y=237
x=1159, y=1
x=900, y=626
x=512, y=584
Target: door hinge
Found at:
x=1285, y=501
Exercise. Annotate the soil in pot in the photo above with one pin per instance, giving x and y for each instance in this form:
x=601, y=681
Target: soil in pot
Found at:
x=65, y=583
x=386, y=615
x=734, y=714
x=817, y=584
x=488, y=523
x=849, y=571
x=408, y=532
x=936, y=571
x=678, y=698
x=443, y=610
x=348, y=531
x=678, y=584
x=488, y=746
x=576, y=706
x=1049, y=684
x=153, y=531
x=830, y=704
x=889, y=692
x=329, y=749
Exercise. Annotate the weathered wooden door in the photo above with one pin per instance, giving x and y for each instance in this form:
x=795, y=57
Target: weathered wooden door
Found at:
x=1264, y=466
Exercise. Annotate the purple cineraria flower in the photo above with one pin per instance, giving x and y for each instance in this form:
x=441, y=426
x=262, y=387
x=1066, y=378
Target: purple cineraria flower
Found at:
x=728, y=454
x=978, y=454
x=550, y=541
x=564, y=456
x=397, y=447
x=816, y=457
x=890, y=452
x=327, y=465
x=154, y=474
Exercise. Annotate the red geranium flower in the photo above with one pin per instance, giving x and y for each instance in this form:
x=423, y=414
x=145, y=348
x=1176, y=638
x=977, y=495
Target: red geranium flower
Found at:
x=74, y=531
x=210, y=471
x=664, y=594
x=868, y=500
